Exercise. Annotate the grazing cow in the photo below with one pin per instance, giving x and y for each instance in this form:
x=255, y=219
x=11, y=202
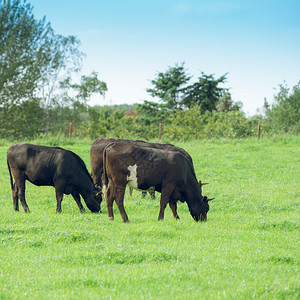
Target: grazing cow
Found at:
x=97, y=149
x=51, y=166
x=145, y=168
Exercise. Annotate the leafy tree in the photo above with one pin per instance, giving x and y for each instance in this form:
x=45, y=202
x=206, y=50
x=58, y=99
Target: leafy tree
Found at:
x=193, y=124
x=71, y=104
x=205, y=92
x=103, y=121
x=23, y=59
x=23, y=51
x=88, y=86
x=36, y=66
x=64, y=59
x=284, y=114
x=152, y=112
x=169, y=87
x=174, y=92
x=24, y=120
x=226, y=103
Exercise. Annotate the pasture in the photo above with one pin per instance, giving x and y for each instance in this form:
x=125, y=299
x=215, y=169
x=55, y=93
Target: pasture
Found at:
x=248, y=248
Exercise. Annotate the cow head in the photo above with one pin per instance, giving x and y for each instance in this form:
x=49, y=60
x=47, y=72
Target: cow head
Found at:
x=199, y=209
x=93, y=199
x=97, y=195
x=201, y=214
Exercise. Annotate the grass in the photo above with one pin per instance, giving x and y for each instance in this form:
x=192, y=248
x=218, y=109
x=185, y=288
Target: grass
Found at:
x=249, y=248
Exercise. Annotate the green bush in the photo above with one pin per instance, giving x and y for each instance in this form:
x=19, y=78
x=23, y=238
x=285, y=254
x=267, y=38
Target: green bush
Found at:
x=284, y=115
x=191, y=124
x=21, y=121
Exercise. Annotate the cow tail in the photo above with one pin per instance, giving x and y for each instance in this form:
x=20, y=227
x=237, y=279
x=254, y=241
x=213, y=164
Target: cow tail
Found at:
x=11, y=178
x=105, y=177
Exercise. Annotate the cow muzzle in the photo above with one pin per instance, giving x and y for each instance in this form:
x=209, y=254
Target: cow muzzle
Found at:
x=201, y=217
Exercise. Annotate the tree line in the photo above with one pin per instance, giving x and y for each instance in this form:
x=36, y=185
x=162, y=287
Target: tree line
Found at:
x=39, y=96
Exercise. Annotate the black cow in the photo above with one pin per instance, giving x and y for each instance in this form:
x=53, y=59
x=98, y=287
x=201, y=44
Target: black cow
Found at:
x=98, y=146
x=51, y=166
x=145, y=168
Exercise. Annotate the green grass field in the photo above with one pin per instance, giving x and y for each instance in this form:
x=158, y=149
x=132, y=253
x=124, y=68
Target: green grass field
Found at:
x=248, y=248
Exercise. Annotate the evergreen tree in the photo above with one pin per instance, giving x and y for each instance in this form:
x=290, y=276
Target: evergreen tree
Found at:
x=204, y=93
x=169, y=87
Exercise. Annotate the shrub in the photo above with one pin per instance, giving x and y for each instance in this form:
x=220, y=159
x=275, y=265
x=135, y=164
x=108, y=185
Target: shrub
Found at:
x=191, y=124
x=284, y=115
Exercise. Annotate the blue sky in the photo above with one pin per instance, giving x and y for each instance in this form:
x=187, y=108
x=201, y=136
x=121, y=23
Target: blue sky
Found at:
x=128, y=42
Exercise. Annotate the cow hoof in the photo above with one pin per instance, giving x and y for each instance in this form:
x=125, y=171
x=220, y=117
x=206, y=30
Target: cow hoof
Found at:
x=110, y=218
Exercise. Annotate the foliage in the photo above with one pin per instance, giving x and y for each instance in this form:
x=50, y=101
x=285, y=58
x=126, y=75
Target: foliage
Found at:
x=226, y=103
x=247, y=249
x=284, y=114
x=175, y=94
x=36, y=67
x=59, y=118
x=90, y=85
x=205, y=93
x=23, y=51
x=193, y=124
x=104, y=121
x=23, y=59
x=64, y=58
x=169, y=87
x=24, y=119
x=152, y=114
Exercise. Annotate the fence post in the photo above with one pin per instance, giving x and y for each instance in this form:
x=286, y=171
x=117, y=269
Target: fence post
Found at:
x=70, y=130
x=258, y=131
x=159, y=132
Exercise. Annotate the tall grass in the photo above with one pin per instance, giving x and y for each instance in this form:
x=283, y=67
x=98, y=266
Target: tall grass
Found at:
x=249, y=248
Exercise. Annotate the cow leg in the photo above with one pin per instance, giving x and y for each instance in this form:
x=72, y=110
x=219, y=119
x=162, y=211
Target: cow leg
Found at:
x=120, y=191
x=15, y=197
x=23, y=201
x=21, y=195
x=164, y=200
x=59, y=185
x=76, y=197
x=173, y=206
x=152, y=194
x=59, y=198
x=110, y=202
x=144, y=194
x=130, y=191
x=18, y=191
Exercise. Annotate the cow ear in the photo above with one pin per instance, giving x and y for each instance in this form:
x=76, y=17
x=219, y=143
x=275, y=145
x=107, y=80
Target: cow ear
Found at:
x=207, y=199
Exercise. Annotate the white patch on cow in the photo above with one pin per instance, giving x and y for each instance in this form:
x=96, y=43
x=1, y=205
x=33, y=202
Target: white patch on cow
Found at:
x=132, y=178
